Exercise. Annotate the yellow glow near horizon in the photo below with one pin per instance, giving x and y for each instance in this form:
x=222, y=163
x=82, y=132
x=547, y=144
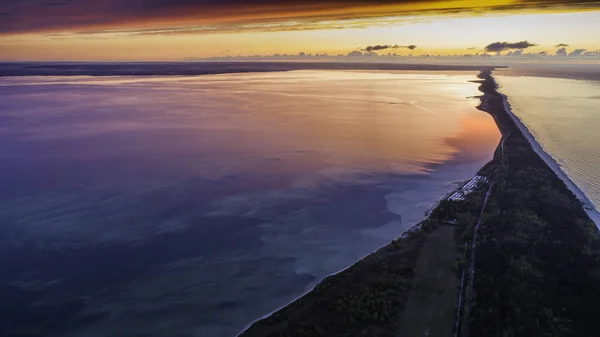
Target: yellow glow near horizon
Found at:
x=432, y=35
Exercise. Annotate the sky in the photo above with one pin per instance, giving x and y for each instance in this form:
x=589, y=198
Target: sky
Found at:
x=175, y=30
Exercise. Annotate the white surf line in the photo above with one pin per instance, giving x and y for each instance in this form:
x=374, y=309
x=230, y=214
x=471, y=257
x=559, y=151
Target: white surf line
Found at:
x=588, y=205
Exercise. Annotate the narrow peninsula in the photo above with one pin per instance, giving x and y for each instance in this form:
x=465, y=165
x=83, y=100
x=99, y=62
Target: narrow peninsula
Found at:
x=516, y=256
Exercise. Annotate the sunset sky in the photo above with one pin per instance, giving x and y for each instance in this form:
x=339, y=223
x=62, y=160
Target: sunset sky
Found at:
x=171, y=30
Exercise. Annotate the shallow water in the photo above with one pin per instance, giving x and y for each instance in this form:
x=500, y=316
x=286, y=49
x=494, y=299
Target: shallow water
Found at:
x=564, y=116
x=190, y=206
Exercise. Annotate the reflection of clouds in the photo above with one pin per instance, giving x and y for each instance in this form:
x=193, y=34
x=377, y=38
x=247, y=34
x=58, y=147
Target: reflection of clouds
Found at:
x=269, y=188
x=116, y=214
x=330, y=175
x=253, y=204
x=476, y=136
x=305, y=235
x=33, y=284
x=167, y=127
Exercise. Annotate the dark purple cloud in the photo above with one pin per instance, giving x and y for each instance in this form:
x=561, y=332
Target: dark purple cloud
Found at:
x=377, y=47
x=19, y=16
x=560, y=45
x=497, y=47
x=386, y=46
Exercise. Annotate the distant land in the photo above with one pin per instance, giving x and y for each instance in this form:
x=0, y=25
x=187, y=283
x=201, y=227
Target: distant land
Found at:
x=198, y=68
x=589, y=70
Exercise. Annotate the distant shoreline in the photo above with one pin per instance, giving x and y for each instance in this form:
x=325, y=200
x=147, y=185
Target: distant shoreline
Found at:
x=203, y=68
x=588, y=205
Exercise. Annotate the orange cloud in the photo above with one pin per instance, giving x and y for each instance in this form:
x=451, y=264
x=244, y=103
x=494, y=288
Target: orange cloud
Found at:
x=26, y=16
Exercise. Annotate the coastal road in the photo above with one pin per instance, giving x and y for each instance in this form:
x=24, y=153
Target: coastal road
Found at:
x=503, y=158
x=460, y=297
x=471, y=271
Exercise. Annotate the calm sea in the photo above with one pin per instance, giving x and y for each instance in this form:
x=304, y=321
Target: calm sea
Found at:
x=564, y=116
x=190, y=206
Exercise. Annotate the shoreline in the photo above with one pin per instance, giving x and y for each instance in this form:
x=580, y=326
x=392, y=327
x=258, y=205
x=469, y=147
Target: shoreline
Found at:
x=587, y=204
x=249, y=325
x=203, y=68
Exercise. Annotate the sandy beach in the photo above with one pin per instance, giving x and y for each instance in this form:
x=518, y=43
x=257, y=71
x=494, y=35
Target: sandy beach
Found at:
x=588, y=205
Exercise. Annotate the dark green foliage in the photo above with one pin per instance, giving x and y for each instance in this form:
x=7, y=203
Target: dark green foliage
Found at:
x=366, y=299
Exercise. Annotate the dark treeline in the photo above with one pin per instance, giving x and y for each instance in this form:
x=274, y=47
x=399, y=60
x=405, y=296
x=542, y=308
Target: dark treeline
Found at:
x=366, y=299
x=198, y=68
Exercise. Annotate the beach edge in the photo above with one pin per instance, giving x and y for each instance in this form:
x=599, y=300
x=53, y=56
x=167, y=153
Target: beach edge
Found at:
x=587, y=204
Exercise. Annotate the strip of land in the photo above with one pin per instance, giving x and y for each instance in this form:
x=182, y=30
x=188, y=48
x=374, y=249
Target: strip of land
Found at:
x=537, y=268
x=533, y=262
x=200, y=68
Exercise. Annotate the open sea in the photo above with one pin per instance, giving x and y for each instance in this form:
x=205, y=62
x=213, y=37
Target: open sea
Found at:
x=563, y=115
x=194, y=205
